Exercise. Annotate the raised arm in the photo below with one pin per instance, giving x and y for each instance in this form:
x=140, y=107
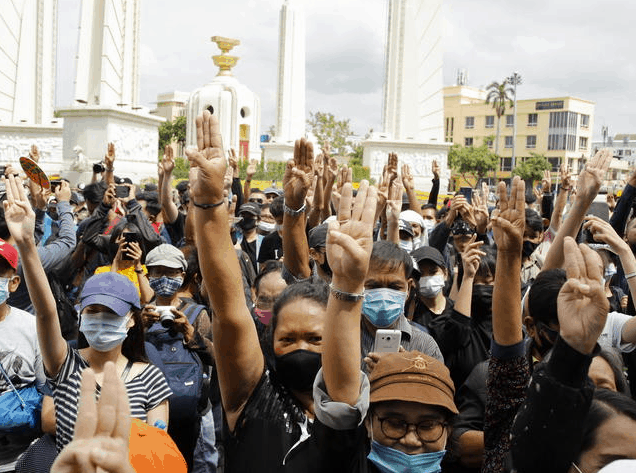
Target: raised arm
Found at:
x=20, y=221
x=240, y=362
x=409, y=186
x=296, y=183
x=393, y=207
x=349, y=245
x=249, y=174
x=565, y=186
x=432, y=196
x=165, y=185
x=470, y=262
x=587, y=187
x=109, y=161
x=331, y=170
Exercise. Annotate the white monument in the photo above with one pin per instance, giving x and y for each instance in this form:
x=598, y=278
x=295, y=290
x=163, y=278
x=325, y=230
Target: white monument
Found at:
x=290, y=97
x=107, y=93
x=413, y=111
x=237, y=107
x=28, y=42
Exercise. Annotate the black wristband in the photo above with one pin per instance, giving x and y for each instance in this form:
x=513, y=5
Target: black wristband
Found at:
x=207, y=206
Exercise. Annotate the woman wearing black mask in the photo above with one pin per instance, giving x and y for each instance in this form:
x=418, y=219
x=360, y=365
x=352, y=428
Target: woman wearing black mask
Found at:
x=464, y=335
x=268, y=416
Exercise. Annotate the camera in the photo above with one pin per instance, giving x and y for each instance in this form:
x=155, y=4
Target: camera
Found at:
x=166, y=317
x=99, y=167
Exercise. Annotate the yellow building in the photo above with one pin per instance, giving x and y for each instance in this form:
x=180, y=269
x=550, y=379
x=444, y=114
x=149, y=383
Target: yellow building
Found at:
x=558, y=128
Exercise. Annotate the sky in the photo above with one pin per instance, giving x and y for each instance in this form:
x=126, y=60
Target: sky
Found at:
x=580, y=48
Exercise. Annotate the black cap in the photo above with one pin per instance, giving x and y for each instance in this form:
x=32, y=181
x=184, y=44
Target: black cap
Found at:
x=318, y=236
x=406, y=227
x=251, y=208
x=428, y=253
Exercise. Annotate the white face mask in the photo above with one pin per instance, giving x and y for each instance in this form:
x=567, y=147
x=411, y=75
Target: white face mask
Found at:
x=266, y=227
x=431, y=286
x=104, y=330
x=406, y=245
x=428, y=226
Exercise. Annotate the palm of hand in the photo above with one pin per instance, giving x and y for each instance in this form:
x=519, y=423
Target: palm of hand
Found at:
x=583, y=314
x=20, y=219
x=353, y=259
x=209, y=179
x=296, y=183
x=508, y=236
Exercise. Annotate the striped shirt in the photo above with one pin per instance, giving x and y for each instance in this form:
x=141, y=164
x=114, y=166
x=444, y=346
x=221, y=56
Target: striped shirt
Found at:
x=145, y=392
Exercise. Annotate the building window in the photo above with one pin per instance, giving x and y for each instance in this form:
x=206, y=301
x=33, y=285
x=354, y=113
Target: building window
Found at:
x=531, y=141
x=533, y=119
x=468, y=141
x=626, y=141
x=556, y=163
x=620, y=152
x=508, y=141
x=450, y=124
x=470, y=122
x=561, y=142
x=628, y=152
x=510, y=120
x=582, y=142
x=506, y=164
x=585, y=121
x=490, y=121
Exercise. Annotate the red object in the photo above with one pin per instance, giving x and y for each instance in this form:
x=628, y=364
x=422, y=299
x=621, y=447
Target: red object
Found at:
x=9, y=253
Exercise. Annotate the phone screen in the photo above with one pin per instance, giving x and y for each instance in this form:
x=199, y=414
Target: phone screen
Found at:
x=468, y=193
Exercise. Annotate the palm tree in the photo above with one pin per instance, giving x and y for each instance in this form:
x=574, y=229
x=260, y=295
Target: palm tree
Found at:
x=498, y=94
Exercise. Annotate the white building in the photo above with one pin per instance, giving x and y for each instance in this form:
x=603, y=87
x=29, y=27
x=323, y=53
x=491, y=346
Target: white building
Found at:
x=237, y=107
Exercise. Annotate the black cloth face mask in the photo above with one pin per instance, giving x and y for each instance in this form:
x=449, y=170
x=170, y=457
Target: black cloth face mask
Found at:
x=298, y=369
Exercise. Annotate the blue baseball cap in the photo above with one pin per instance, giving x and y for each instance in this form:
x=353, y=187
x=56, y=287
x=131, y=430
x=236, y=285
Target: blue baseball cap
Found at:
x=112, y=290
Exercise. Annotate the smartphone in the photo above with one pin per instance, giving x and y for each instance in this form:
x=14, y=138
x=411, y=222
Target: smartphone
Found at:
x=129, y=237
x=468, y=193
x=55, y=184
x=387, y=341
x=122, y=191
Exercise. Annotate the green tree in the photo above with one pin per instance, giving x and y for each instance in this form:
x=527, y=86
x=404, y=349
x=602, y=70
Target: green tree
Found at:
x=328, y=129
x=474, y=161
x=170, y=131
x=165, y=135
x=181, y=168
x=531, y=169
x=498, y=95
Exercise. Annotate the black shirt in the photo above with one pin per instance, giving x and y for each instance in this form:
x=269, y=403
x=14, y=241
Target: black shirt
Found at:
x=267, y=433
x=271, y=248
x=250, y=249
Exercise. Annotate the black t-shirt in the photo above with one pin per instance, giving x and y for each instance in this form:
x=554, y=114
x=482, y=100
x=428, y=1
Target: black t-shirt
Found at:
x=267, y=431
x=176, y=229
x=271, y=248
x=424, y=316
x=250, y=249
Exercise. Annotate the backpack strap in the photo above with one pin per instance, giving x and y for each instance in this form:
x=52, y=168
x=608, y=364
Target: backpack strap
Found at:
x=6, y=376
x=191, y=310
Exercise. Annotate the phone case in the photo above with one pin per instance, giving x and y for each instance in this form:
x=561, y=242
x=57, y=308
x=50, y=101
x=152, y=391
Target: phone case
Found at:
x=387, y=341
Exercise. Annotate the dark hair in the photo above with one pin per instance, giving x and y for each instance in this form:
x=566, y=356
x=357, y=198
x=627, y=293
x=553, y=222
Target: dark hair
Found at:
x=183, y=186
x=387, y=254
x=276, y=207
x=133, y=347
x=429, y=206
x=488, y=262
x=153, y=206
x=94, y=192
x=542, y=298
x=314, y=291
x=256, y=190
x=192, y=259
x=5, y=234
x=441, y=213
x=269, y=266
x=605, y=405
x=615, y=361
x=116, y=232
x=534, y=221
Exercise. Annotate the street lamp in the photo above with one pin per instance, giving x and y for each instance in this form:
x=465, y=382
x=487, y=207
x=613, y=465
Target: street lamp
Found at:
x=514, y=80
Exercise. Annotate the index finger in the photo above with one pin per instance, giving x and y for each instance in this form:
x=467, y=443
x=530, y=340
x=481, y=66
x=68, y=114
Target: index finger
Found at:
x=216, y=139
x=122, y=414
x=344, y=209
x=87, y=409
x=503, y=196
x=107, y=405
x=520, y=196
x=574, y=263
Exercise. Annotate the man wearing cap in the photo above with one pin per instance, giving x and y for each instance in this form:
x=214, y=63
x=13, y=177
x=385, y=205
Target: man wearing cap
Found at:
x=406, y=236
x=431, y=274
x=19, y=352
x=396, y=419
x=271, y=193
x=272, y=245
x=249, y=239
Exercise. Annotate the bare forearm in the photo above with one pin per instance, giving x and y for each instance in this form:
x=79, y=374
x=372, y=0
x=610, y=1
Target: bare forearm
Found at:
x=413, y=203
x=506, y=299
x=393, y=231
x=464, y=296
x=109, y=176
x=170, y=209
x=145, y=291
x=295, y=246
x=246, y=189
x=326, y=208
x=341, y=346
x=569, y=227
x=559, y=205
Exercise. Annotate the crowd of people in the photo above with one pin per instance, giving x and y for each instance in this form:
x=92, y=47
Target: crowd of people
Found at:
x=219, y=327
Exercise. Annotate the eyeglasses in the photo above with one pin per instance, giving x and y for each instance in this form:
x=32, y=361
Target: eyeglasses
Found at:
x=428, y=431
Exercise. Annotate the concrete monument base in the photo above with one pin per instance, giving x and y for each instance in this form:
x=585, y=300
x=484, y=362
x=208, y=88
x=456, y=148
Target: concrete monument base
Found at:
x=135, y=135
x=418, y=155
x=16, y=141
x=273, y=151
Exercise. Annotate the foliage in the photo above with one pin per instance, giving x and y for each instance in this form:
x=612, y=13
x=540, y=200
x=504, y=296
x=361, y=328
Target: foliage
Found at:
x=531, y=169
x=498, y=94
x=329, y=130
x=271, y=171
x=474, y=161
x=355, y=158
x=361, y=172
x=181, y=168
x=172, y=131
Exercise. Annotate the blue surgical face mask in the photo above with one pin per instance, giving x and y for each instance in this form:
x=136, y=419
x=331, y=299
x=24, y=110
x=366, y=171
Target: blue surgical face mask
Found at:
x=390, y=460
x=406, y=245
x=104, y=330
x=4, y=289
x=383, y=306
x=165, y=286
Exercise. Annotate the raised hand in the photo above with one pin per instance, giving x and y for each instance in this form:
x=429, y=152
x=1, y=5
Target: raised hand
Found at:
x=394, y=202
x=604, y=232
x=34, y=153
x=480, y=210
x=251, y=169
x=319, y=166
x=298, y=174
x=233, y=161
x=392, y=167
x=435, y=169
x=407, y=178
x=546, y=182
x=509, y=219
x=102, y=431
x=564, y=176
x=331, y=168
x=132, y=192
x=582, y=304
x=350, y=237
x=110, y=196
x=109, y=159
x=167, y=163
x=63, y=192
x=590, y=180
x=208, y=158
x=471, y=257
x=18, y=213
